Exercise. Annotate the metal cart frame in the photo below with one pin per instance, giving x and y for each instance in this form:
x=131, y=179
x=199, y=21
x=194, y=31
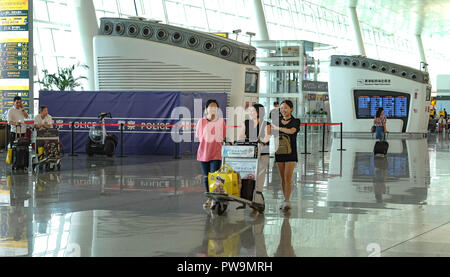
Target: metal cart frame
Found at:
x=230, y=157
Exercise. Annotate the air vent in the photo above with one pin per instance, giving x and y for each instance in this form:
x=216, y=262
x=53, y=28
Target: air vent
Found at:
x=413, y=76
x=120, y=28
x=346, y=62
x=404, y=74
x=161, y=34
x=208, y=45
x=108, y=28
x=147, y=32
x=364, y=64
x=393, y=70
x=383, y=68
x=373, y=66
x=252, y=58
x=192, y=41
x=337, y=62
x=245, y=57
x=225, y=51
x=177, y=37
x=133, y=30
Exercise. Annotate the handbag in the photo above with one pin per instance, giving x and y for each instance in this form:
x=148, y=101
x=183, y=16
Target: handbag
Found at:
x=284, y=145
x=224, y=180
x=374, y=128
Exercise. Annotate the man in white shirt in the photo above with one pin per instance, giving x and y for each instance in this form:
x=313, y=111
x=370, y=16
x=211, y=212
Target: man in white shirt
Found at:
x=16, y=118
x=43, y=119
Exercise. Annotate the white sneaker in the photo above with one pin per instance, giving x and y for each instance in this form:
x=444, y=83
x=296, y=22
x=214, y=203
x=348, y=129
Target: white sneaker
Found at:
x=283, y=206
x=287, y=205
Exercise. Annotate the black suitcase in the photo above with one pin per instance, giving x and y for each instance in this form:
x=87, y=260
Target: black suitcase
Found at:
x=381, y=147
x=20, y=157
x=247, y=188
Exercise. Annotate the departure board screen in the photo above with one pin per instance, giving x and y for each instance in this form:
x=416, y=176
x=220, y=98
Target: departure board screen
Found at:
x=15, y=54
x=388, y=106
x=394, y=104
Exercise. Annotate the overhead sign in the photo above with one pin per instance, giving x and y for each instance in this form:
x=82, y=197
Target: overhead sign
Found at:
x=315, y=86
x=15, y=54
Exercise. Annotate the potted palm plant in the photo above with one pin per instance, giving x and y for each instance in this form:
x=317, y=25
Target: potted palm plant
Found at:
x=63, y=80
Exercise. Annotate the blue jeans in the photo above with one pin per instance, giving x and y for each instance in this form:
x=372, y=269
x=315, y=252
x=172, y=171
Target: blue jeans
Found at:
x=379, y=133
x=207, y=167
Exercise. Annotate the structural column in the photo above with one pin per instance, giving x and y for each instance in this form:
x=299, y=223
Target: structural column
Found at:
x=356, y=28
x=262, y=32
x=85, y=25
x=420, y=48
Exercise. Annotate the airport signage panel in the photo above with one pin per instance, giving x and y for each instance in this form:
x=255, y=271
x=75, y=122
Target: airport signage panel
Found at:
x=315, y=86
x=15, y=53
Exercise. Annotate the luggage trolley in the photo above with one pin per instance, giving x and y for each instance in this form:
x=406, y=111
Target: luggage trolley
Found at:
x=49, y=150
x=243, y=158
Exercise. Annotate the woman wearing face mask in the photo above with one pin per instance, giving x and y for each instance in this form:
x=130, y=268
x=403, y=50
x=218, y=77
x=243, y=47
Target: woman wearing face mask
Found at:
x=286, y=151
x=211, y=132
x=258, y=130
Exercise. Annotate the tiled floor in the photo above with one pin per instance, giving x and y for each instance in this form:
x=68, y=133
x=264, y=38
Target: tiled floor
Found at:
x=348, y=204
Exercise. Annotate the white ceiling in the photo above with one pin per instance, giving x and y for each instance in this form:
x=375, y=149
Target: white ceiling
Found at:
x=430, y=18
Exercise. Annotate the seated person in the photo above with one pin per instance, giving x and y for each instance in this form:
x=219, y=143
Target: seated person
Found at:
x=43, y=119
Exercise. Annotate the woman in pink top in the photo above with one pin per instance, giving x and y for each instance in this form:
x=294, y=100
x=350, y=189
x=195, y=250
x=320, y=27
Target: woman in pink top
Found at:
x=210, y=131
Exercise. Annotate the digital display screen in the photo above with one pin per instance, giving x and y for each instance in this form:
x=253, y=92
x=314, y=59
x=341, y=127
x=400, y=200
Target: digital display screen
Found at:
x=395, y=105
x=251, y=82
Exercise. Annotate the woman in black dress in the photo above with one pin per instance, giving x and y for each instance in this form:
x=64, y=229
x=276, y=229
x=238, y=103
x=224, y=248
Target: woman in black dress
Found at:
x=286, y=150
x=258, y=130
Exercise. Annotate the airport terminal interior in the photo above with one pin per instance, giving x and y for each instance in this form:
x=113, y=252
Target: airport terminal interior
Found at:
x=112, y=98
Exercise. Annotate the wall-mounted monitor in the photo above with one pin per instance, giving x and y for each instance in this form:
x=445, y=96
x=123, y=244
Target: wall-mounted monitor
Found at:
x=395, y=104
x=251, y=82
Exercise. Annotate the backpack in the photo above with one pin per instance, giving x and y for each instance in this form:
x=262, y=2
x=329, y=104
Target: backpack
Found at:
x=284, y=145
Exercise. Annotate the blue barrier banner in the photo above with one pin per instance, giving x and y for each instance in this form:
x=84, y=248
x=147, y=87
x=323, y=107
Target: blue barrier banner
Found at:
x=141, y=108
x=152, y=108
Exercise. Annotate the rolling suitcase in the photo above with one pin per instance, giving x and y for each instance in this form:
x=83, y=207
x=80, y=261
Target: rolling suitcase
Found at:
x=20, y=152
x=381, y=147
x=20, y=157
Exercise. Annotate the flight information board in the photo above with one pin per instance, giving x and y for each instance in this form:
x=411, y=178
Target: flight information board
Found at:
x=395, y=105
x=15, y=53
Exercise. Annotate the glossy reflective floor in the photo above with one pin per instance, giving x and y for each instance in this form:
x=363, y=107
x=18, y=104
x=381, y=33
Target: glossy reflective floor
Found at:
x=343, y=205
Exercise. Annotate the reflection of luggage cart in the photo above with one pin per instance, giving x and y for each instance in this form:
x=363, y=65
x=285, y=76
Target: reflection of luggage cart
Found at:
x=243, y=158
x=49, y=150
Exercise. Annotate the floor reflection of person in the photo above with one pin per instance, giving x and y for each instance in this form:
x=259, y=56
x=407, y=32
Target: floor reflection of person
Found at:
x=46, y=192
x=18, y=185
x=379, y=180
x=285, y=248
x=350, y=235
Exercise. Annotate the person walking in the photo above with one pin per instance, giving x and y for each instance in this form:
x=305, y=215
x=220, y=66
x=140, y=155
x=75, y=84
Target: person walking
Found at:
x=258, y=130
x=211, y=131
x=380, y=124
x=286, y=150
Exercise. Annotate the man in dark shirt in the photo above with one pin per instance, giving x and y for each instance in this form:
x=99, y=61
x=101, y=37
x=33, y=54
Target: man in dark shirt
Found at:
x=275, y=114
